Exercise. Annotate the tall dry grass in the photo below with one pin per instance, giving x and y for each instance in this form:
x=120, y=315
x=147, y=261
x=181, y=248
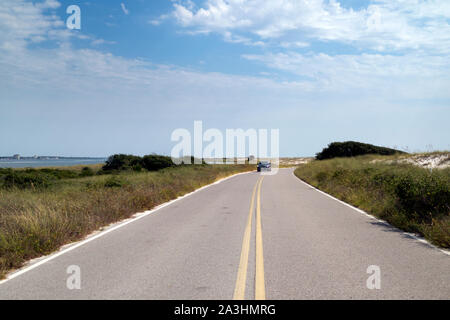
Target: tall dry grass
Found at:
x=411, y=198
x=35, y=222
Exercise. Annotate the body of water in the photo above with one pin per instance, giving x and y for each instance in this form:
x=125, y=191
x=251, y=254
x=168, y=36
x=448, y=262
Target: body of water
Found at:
x=34, y=163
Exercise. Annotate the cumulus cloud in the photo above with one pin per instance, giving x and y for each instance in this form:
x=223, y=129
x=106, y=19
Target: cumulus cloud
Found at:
x=63, y=68
x=70, y=82
x=49, y=4
x=415, y=74
x=399, y=47
x=294, y=44
x=22, y=22
x=383, y=25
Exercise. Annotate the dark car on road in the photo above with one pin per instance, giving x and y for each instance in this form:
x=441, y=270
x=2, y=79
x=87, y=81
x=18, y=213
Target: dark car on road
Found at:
x=264, y=166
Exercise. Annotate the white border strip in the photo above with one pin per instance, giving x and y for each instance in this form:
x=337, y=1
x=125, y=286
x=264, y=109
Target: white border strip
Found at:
x=97, y=234
x=417, y=238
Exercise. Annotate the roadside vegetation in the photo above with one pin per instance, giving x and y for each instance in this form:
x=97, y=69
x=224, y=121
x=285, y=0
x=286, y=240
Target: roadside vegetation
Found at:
x=352, y=149
x=43, y=209
x=410, y=197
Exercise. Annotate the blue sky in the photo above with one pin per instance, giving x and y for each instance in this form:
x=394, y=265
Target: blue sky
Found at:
x=317, y=70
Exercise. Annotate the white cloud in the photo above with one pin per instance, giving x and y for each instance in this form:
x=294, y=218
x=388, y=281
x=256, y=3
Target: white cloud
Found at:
x=383, y=25
x=159, y=20
x=294, y=44
x=21, y=22
x=98, y=89
x=229, y=37
x=411, y=76
x=124, y=9
x=412, y=38
x=49, y=4
x=155, y=22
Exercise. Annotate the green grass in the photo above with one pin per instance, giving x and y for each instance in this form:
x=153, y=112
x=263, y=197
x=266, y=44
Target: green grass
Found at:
x=411, y=198
x=38, y=220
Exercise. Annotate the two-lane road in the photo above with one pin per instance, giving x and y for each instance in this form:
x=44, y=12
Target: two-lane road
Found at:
x=246, y=237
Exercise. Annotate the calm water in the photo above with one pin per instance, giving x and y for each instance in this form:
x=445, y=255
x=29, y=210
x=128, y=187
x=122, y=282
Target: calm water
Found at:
x=33, y=163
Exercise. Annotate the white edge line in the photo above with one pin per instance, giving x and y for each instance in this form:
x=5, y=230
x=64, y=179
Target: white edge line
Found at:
x=96, y=234
x=417, y=238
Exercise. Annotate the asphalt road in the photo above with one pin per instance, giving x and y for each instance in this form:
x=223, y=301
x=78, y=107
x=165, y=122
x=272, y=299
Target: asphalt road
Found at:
x=246, y=237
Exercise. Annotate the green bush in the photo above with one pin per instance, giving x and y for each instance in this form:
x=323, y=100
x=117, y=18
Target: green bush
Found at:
x=56, y=174
x=4, y=171
x=38, y=178
x=86, y=172
x=352, y=149
x=425, y=196
x=411, y=198
x=121, y=162
x=114, y=181
x=156, y=162
x=24, y=180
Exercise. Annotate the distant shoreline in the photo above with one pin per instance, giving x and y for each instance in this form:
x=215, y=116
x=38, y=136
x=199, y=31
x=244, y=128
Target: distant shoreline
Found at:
x=49, y=158
x=27, y=162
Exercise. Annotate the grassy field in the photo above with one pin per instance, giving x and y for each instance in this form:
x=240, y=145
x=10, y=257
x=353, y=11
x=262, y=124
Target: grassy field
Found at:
x=409, y=197
x=40, y=218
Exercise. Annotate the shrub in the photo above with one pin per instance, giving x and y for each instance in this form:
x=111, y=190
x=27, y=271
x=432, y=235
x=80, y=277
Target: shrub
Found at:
x=351, y=149
x=114, y=182
x=86, y=172
x=37, y=178
x=56, y=174
x=411, y=198
x=24, y=180
x=5, y=171
x=156, y=162
x=121, y=162
x=426, y=196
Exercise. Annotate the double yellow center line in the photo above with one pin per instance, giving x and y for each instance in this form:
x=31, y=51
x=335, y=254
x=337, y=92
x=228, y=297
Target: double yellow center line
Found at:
x=260, y=290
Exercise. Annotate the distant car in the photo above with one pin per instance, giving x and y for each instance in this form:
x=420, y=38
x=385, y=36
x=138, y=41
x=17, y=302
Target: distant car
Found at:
x=264, y=165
